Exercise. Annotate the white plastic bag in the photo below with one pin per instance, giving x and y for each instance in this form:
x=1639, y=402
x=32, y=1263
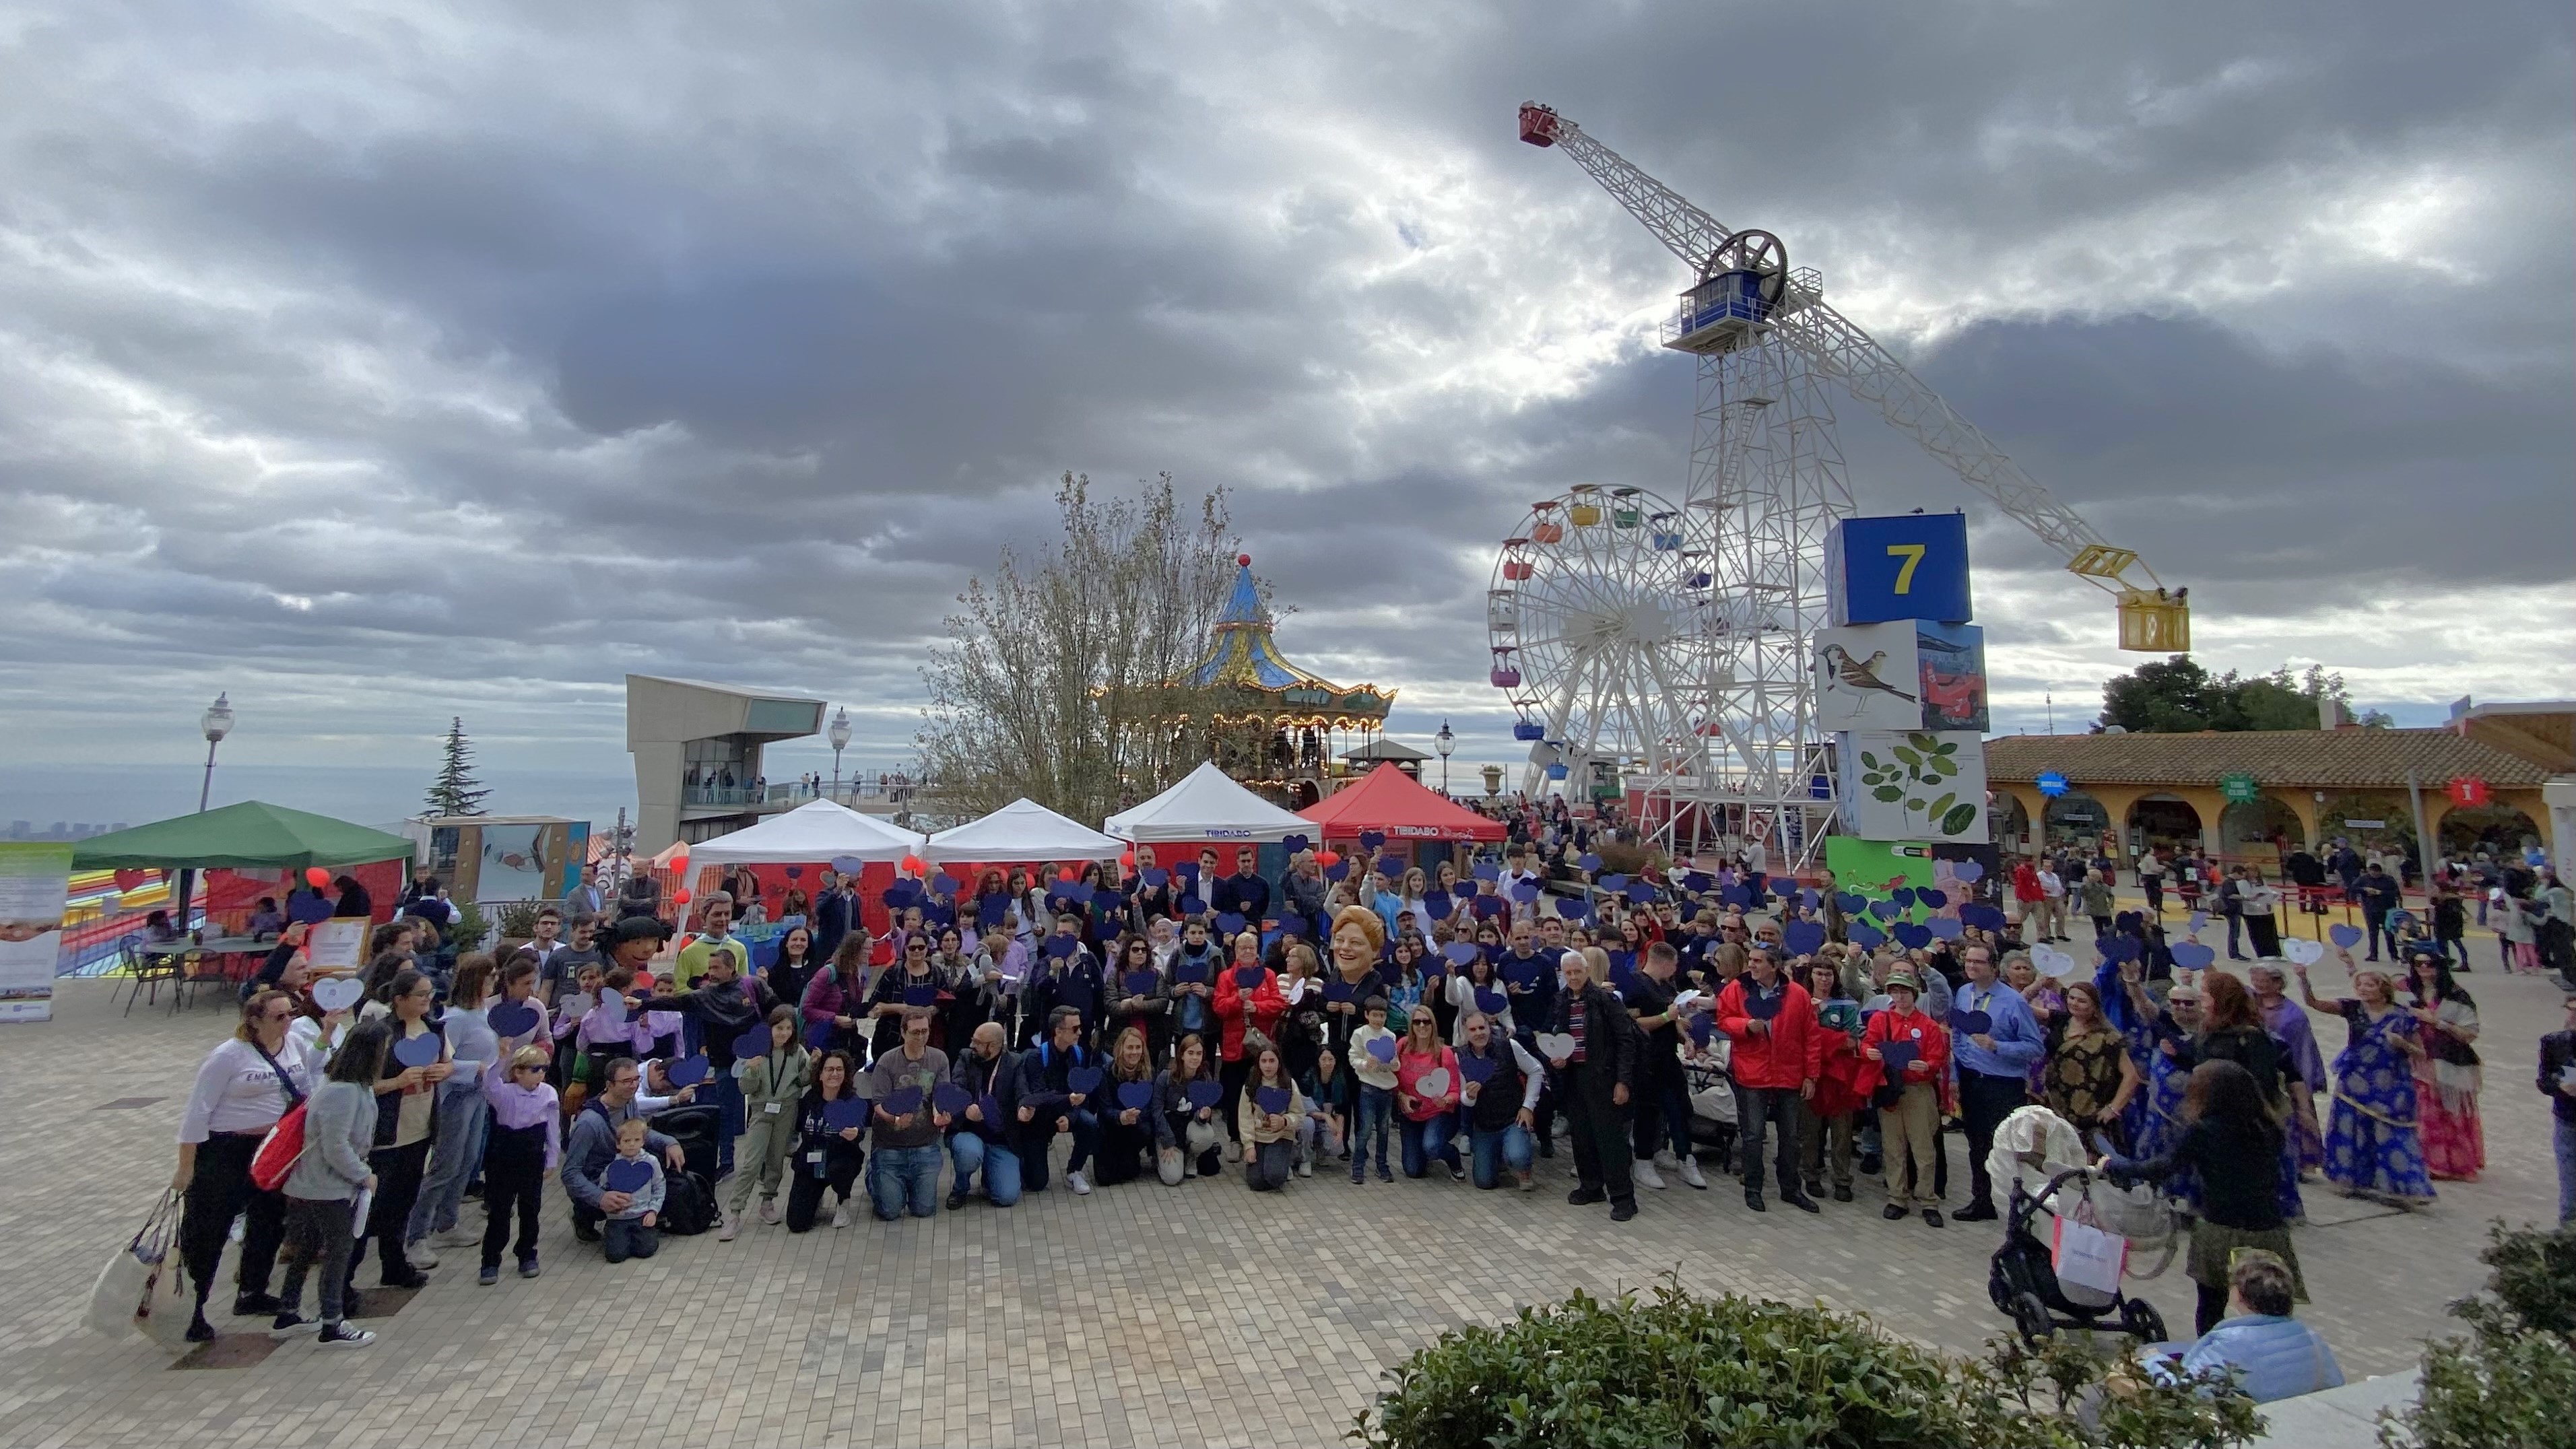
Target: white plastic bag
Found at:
x=2087, y=1257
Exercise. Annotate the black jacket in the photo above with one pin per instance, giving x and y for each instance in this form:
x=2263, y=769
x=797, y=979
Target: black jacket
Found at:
x=1611, y=1040
x=1044, y=1088
x=998, y=1079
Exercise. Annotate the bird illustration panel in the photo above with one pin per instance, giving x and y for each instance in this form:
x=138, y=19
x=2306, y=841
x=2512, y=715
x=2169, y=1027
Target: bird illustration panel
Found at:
x=1925, y=785
x=1867, y=677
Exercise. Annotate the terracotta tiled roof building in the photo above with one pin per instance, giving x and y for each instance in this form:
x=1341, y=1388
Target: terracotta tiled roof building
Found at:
x=2309, y=783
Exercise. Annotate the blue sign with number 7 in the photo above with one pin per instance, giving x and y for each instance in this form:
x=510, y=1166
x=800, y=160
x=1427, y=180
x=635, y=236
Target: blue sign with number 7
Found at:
x=1910, y=566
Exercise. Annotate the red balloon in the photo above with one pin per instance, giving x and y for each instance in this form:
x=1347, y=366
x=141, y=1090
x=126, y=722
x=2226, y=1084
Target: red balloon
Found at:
x=1128, y=860
x=1328, y=858
x=1067, y=874
x=1244, y=559
x=912, y=865
x=316, y=877
x=643, y=980
x=680, y=897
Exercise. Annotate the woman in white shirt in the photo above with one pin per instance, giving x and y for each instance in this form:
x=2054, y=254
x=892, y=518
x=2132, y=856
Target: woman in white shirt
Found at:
x=242, y=1088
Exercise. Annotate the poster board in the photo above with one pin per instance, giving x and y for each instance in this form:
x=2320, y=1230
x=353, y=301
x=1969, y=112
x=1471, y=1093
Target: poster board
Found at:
x=35, y=880
x=338, y=944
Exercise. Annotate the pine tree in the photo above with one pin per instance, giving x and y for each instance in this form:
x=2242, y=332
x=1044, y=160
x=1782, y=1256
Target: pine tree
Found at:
x=456, y=791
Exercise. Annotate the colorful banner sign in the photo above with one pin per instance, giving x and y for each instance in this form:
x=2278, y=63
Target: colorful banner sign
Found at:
x=35, y=880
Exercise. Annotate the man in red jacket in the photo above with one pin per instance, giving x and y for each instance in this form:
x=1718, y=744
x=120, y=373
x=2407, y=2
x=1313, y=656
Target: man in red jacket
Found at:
x=1775, y=1057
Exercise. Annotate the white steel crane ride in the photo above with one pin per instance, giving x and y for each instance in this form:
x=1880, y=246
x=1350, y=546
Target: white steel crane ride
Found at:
x=1766, y=472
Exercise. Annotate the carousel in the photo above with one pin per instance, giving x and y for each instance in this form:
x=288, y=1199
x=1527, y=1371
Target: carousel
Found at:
x=1271, y=726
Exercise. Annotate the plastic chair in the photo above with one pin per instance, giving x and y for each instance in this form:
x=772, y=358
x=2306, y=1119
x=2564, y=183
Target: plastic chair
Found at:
x=148, y=971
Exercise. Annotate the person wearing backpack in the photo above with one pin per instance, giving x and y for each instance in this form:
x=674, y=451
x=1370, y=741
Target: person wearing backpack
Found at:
x=322, y=1191
x=243, y=1088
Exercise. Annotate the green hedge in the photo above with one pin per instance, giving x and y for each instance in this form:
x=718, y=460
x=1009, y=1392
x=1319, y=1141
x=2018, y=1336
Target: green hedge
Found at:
x=2512, y=1380
x=1674, y=1370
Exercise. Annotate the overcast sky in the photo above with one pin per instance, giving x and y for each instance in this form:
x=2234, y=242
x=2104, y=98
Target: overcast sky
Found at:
x=383, y=362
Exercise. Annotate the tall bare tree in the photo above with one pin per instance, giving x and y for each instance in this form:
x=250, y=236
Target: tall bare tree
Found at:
x=1058, y=678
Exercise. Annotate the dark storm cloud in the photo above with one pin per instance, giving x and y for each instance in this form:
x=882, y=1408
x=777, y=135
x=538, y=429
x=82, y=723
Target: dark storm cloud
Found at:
x=391, y=363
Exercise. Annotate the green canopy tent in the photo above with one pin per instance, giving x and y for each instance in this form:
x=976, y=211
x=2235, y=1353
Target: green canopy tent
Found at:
x=248, y=836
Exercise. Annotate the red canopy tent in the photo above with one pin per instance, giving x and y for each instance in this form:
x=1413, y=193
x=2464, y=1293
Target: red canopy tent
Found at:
x=1392, y=802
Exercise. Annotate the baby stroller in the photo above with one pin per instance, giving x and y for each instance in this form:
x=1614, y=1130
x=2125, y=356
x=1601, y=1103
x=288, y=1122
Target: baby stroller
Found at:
x=2036, y=1145
x=1712, y=1098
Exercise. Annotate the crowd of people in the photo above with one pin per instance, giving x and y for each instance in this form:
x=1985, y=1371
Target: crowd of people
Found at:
x=1105, y=1024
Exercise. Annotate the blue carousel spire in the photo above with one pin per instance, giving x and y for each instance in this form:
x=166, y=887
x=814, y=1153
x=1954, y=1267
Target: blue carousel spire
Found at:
x=1244, y=606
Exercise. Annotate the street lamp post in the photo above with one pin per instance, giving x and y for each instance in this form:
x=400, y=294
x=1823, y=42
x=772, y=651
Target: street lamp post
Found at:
x=215, y=723
x=840, y=737
x=1444, y=742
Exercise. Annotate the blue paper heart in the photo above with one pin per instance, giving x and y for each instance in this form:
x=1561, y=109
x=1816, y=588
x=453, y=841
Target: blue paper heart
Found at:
x=1338, y=871
x=1487, y=870
x=843, y=1113
x=1526, y=892
x=1911, y=935
x=1971, y=1023
x=1477, y=1069
x=1811, y=898
x=1230, y=923
x=1613, y=884
x=1186, y=970
x=946, y=885
x=2193, y=956
x=1291, y=844
x=753, y=1042
x=902, y=893
x=1190, y=905
x=1967, y=872
x=1273, y=1100
x=2119, y=948
x=795, y=872
x=1204, y=1094
x=1488, y=907
x=1462, y=952
x=818, y=1035
x=1392, y=867
x=1803, y=938
x=920, y=993
x=902, y=1101
x=1139, y=983
x=1524, y=973
x=1944, y=928
x=1085, y=1080
x=1060, y=947
x=1247, y=978
x=1982, y=916
x=1894, y=1056
x=1865, y=935
x=1765, y=1007
x=308, y=909
x=420, y=1051
x=627, y=1174
x=2201, y=918
x=1702, y=1027
x=950, y=1098
x=1135, y=1096
x=1903, y=896
x=1886, y=910
x=1187, y=870
x=689, y=1071
x=1381, y=1047
x=989, y=911
x=1337, y=989
x=1490, y=1001
x=2345, y=936
x=1851, y=902
x=511, y=1018
x=1588, y=862
x=1155, y=877
x=1372, y=839
x=1436, y=904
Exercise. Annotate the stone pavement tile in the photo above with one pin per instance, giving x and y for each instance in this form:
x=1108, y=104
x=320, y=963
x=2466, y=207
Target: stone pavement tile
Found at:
x=1198, y=1314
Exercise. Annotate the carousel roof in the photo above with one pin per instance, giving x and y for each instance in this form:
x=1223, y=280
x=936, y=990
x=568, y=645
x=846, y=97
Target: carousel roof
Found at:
x=1243, y=655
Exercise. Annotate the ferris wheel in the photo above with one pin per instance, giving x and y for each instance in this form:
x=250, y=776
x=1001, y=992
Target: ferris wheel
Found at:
x=1601, y=620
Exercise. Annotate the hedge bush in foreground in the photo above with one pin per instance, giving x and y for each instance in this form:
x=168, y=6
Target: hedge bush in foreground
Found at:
x=1677, y=1370
x=2512, y=1381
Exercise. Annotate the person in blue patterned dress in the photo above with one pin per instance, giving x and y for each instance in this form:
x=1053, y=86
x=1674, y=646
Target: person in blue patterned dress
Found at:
x=2372, y=1147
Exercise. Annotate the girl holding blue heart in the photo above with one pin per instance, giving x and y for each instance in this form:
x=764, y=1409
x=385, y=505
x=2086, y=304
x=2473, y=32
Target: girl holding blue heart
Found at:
x=406, y=1122
x=828, y=1154
x=1188, y=1135
x=1126, y=1129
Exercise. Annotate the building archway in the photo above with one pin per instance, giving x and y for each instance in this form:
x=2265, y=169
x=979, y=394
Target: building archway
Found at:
x=2262, y=831
x=2368, y=819
x=2074, y=818
x=2011, y=823
x=2163, y=822
x=2499, y=830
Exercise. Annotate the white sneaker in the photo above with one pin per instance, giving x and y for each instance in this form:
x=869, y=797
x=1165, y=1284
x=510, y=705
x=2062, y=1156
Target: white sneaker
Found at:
x=420, y=1255
x=769, y=1211
x=732, y=1227
x=459, y=1236
x=841, y=1216
x=1080, y=1184
x=1645, y=1175
x=1665, y=1161
x=1305, y=1167
x=1690, y=1174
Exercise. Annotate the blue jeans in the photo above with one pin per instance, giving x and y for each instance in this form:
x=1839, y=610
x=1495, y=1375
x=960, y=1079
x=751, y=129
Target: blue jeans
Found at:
x=898, y=1174
x=2566, y=1172
x=1032, y=1147
x=1495, y=1150
x=969, y=1154
x=723, y=1091
x=1424, y=1141
x=624, y=1238
x=463, y=1118
x=1377, y=1105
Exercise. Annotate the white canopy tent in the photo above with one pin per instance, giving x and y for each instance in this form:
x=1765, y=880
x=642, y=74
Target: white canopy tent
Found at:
x=817, y=830
x=1207, y=805
x=1023, y=830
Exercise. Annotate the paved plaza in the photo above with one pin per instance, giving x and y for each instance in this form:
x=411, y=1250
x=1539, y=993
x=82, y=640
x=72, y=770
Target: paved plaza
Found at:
x=1142, y=1314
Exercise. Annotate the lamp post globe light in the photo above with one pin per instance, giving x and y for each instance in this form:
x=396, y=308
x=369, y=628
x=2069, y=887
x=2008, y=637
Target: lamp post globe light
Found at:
x=1444, y=742
x=839, y=735
x=216, y=722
